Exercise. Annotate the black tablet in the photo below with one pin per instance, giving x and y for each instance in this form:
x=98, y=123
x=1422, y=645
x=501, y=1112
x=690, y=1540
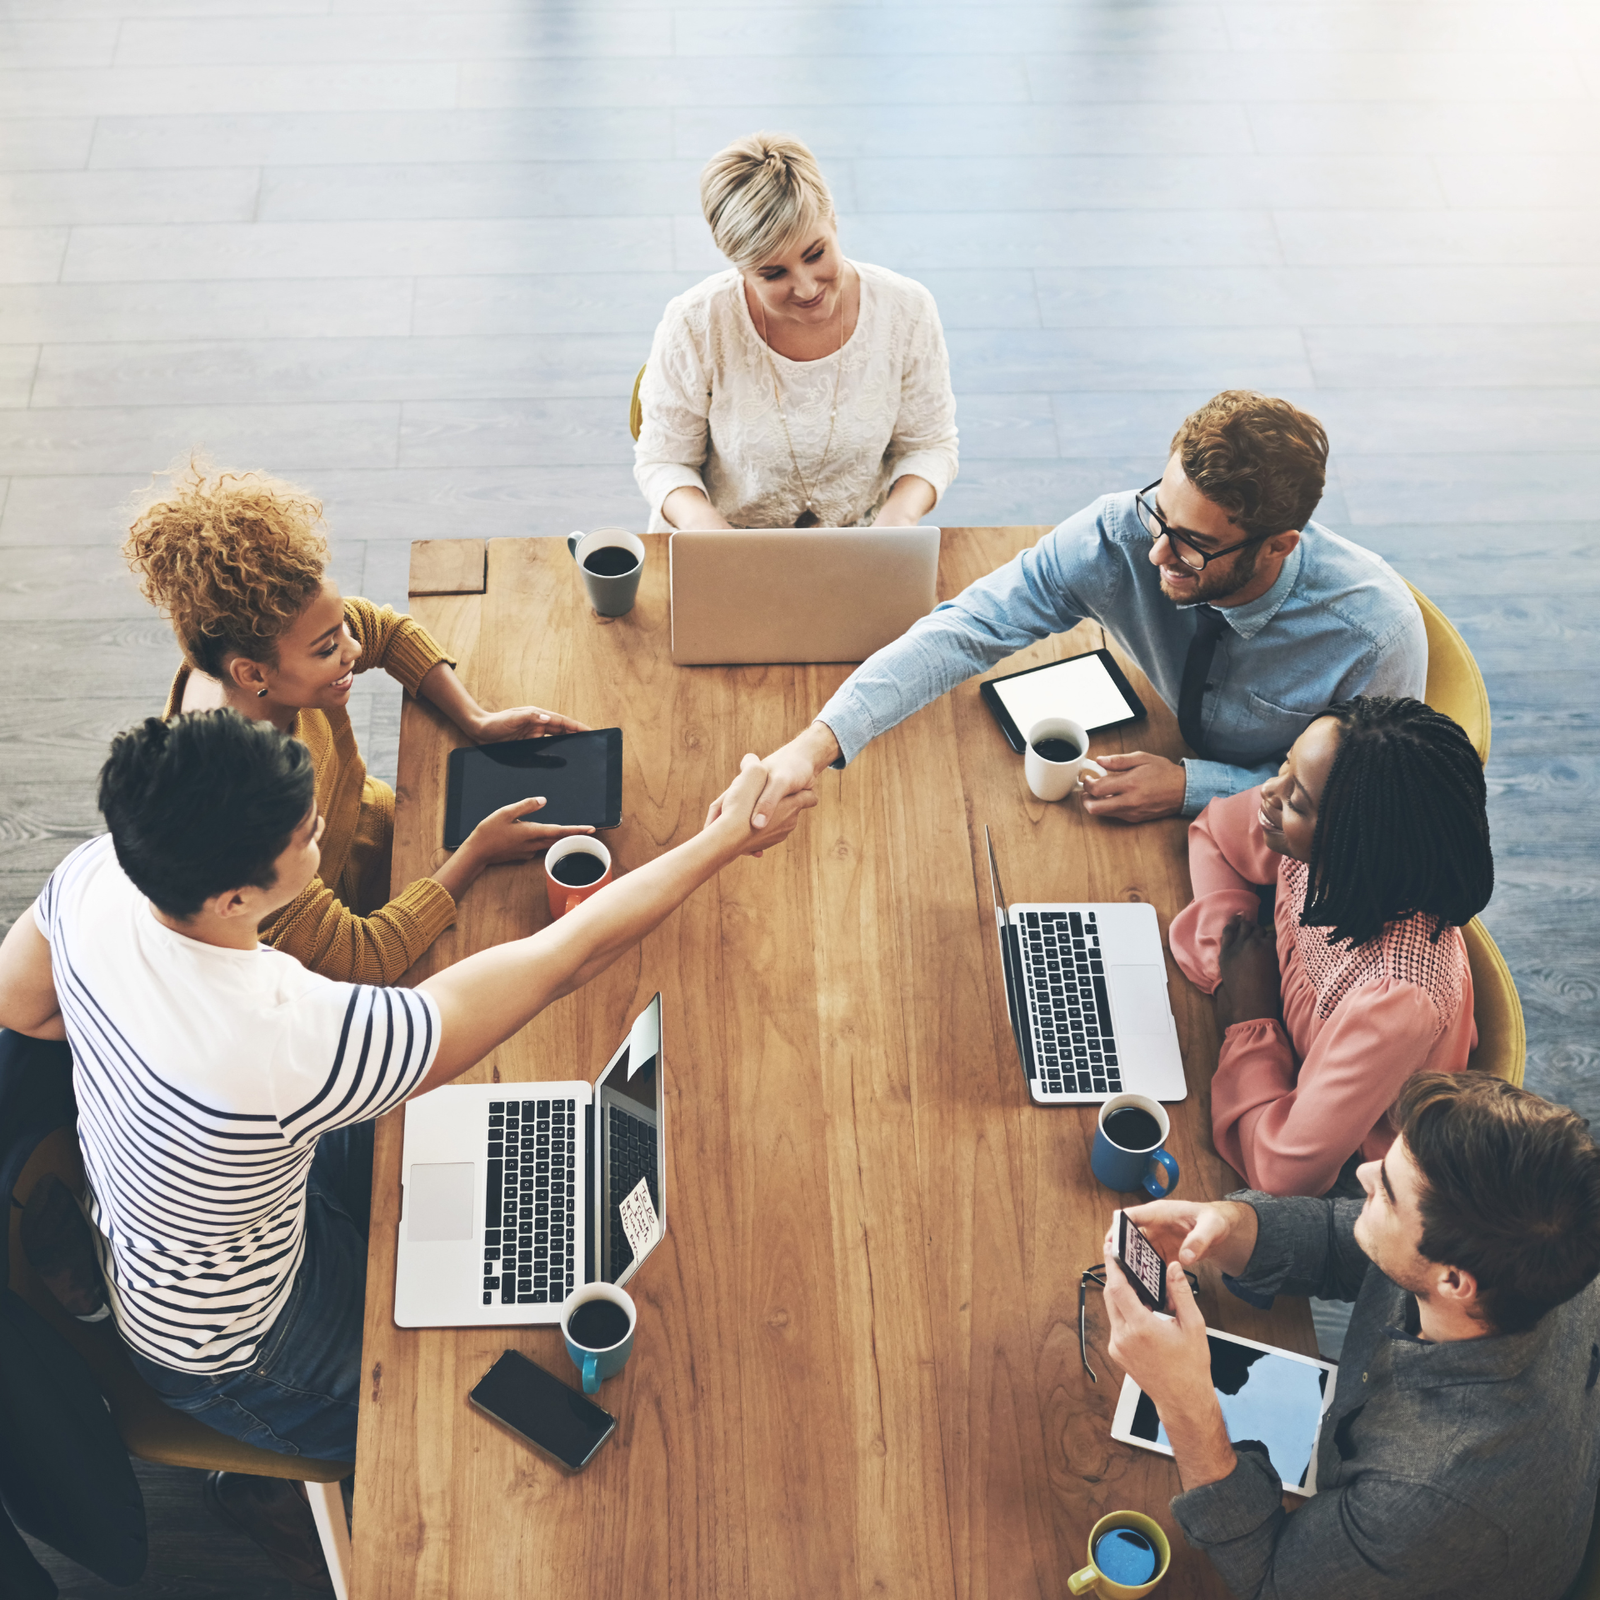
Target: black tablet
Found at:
x=1090, y=689
x=579, y=774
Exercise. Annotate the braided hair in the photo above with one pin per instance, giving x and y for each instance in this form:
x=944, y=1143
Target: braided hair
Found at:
x=1401, y=826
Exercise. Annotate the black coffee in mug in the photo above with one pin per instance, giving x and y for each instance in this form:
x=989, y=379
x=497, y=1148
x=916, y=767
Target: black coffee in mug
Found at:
x=598, y=1324
x=610, y=561
x=577, y=868
x=1131, y=1128
x=1061, y=750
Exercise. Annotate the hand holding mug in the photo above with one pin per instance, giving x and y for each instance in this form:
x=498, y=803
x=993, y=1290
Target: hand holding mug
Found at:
x=1137, y=787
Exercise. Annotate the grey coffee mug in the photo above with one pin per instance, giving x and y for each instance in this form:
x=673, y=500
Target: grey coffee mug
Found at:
x=611, y=594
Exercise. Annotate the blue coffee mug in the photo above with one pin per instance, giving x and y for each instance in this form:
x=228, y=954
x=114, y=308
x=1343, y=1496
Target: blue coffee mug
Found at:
x=597, y=1365
x=1123, y=1169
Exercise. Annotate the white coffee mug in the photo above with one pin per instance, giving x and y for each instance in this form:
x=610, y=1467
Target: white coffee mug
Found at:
x=1054, y=780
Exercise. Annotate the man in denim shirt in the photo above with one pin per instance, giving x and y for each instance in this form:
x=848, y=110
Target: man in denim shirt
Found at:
x=1215, y=581
x=1461, y=1452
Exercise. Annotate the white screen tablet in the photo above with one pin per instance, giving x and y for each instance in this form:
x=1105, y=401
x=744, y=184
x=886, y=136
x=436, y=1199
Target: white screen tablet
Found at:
x=1266, y=1394
x=1091, y=689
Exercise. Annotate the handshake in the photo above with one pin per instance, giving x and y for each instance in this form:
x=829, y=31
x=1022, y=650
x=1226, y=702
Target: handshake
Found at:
x=732, y=813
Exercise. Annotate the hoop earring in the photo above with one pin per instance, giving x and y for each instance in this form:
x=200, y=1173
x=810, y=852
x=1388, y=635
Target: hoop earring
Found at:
x=261, y=694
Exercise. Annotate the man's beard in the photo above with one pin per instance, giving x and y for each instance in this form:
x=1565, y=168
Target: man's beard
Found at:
x=1213, y=585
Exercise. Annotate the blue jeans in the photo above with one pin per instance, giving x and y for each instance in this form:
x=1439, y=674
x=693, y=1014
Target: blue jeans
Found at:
x=300, y=1396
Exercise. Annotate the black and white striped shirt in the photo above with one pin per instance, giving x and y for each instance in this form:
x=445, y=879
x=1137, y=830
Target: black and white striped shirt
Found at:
x=204, y=1078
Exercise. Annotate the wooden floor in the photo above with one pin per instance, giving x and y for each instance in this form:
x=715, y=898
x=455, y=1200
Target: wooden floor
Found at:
x=411, y=253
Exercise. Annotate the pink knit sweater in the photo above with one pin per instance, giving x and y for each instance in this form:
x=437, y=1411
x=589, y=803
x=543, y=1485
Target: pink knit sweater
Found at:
x=1292, y=1101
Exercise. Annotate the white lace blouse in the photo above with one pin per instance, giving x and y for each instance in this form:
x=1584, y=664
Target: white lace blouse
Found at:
x=711, y=420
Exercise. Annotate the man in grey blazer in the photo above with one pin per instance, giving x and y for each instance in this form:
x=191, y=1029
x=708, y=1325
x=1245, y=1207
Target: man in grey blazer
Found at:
x=1461, y=1452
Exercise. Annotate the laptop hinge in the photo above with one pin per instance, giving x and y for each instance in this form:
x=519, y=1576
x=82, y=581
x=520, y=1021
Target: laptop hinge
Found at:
x=590, y=1273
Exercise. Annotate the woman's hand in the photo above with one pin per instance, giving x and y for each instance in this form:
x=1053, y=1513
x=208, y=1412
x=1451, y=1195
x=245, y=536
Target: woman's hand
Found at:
x=520, y=722
x=1249, y=986
x=689, y=510
x=910, y=499
x=503, y=836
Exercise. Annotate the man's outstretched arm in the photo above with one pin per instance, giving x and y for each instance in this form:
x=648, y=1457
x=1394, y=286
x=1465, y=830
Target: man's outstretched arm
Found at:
x=487, y=997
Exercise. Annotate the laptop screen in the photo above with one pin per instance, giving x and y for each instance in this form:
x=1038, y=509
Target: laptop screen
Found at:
x=1009, y=959
x=630, y=1151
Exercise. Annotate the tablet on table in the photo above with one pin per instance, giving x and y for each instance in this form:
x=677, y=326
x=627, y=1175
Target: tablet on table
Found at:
x=579, y=774
x=1091, y=689
x=1273, y=1396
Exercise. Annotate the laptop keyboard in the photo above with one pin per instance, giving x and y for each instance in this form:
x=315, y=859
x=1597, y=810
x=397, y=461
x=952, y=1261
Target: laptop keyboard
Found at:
x=1074, y=1047
x=530, y=1234
x=631, y=1156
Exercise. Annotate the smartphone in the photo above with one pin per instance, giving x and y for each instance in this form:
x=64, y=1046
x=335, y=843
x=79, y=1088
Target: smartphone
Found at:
x=538, y=1407
x=1137, y=1257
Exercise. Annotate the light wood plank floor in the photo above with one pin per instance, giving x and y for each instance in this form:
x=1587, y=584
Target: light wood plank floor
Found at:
x=411, y=253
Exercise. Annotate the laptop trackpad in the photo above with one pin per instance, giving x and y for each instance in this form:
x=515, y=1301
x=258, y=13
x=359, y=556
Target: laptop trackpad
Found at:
x=439, y=1202
x=1139, y=996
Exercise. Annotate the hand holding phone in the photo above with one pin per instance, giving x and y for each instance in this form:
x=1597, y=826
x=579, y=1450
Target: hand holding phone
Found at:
x=1140, y=1261
x=540, y=1409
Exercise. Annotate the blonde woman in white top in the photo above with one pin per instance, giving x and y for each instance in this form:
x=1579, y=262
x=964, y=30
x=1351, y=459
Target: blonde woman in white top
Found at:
x=798, y=389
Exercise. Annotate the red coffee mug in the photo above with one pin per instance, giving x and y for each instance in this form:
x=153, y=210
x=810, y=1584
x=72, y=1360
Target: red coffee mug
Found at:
x=564, y=896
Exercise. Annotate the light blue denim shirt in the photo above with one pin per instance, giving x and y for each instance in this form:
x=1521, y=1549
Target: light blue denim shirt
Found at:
x=1339, y=621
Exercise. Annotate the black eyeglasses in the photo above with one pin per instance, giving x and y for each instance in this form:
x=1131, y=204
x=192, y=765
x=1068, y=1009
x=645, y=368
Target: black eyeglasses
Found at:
x=1097, y=1276
x=1191, y=556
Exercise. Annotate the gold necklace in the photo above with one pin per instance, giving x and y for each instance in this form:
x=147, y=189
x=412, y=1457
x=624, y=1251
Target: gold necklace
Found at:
x=808, y=517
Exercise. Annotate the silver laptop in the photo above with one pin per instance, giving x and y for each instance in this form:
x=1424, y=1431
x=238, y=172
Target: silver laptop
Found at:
x=797, y=594
x=515, y=1194
x=1086, y=986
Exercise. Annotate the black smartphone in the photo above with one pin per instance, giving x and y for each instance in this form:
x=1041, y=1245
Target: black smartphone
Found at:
x=538, y=1407
x=1144, y=1268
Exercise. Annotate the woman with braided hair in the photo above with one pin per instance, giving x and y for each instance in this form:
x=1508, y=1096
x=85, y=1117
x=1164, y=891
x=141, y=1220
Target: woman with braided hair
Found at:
x=1375, y=838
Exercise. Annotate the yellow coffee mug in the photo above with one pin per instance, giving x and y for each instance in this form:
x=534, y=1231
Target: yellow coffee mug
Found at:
x=1091, y=1580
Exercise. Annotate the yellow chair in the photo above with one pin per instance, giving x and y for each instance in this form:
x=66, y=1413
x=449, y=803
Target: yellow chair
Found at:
x=1455, y=686
x=1502, y=1034
x=635, y=410
x=151, y=1430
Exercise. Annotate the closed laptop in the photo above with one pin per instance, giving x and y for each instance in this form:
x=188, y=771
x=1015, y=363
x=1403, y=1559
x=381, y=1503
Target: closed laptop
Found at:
x=756, y=596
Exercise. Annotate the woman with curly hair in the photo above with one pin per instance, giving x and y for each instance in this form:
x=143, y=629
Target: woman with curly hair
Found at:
x=1376, y=839
x=238, y=563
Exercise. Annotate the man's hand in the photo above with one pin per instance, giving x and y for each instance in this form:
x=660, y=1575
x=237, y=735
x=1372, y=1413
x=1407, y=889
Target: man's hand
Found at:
x=1170, y=1359
x=1189, y=1231
x=520, y=722
x=790, y=768
x=1249, y=985
x=732, y=810
x=1137, y=787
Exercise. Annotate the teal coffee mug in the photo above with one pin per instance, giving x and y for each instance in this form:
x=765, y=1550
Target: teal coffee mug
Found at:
x=597, y=1323
x=1127, y=1146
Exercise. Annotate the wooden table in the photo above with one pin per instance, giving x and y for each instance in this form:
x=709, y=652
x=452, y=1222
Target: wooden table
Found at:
x=857, y=1365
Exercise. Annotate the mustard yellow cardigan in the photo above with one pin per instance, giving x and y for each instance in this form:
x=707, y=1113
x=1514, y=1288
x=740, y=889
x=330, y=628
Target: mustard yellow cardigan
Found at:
x=339, y=924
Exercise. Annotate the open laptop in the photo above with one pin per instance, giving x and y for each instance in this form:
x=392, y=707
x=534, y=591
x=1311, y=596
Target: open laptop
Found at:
x=515, y=1194
x=1086, y=986
x=797, y=594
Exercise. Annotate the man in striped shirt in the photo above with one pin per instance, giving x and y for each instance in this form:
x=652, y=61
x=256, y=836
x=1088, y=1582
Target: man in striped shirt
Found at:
x=226, y=1093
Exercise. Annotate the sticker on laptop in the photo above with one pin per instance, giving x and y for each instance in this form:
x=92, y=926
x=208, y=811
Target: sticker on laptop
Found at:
x=639, y=1219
